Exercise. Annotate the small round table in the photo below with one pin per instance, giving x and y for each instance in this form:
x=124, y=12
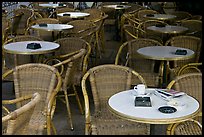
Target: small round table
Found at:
x=165, y=54
x=163, y=17
x=52, y=27
x=170, y=30
x=20, y=48
x=74, y=15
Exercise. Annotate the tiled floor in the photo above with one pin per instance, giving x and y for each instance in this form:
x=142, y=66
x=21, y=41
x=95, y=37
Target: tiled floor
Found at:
x=60, y=117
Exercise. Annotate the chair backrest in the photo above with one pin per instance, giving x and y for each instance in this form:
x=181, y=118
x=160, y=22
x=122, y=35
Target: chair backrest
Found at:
x=16, y=122
x=190, y=42
x=181, y=15
x=94, y=14
x=105, y=81
x=29, y=78
x=194, y=27
x=71, y=45
x=21, y=20
x=129, y=49
x=70, y=66
x=190, y=83
x=132, y=32
x=81, y=28
x=190, y=68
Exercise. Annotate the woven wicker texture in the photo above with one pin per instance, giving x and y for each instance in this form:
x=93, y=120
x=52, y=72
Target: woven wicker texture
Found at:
x=127, y=55
x=70, y=65
x=81, y=28
x=21, y=19
x=70, y=45
x=190, y=68
x=94, y=14
x=44, y=79
x=105, y=81
x=194, y=27
x=17, y=122
x=191, y=84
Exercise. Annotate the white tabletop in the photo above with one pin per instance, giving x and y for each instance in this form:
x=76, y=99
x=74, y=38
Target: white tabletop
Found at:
x=20, y=47
x=168, y=29
x=75, y=14
x=51, y=5
x=117, y=6
x=164, y=53
x=161, y=16
x=122, y=104
x=53, y=27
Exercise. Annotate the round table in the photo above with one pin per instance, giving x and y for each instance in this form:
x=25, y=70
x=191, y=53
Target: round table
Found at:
x=122, y=104
x=74, y=15
x=168, y=29
x=20, y=48
x=53, y=28
x=165, y=54
x=162, y=17
x=51, y=5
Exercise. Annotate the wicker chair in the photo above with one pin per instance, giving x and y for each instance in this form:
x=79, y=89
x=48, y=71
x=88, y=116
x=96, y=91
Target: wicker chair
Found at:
x=70, y=45
x=132, y=32
x=152, y=34
x=127, y=55
x=8, y=61
x=41, y=10
x=194, y=27
x=81, y=28
x=44, y=79
x=68, y=66
x=190, y=68
x=17, y=122
x=43, y=34
x=20, y=20
x=94, y=14
x=105, y=81
x=191, y=83
x=180, y=16
x=190, y=42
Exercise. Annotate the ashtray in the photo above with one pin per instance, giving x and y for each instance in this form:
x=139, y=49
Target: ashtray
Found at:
x=61, y=4
x=180, y=52
x=150, y=15
x=160, y=25
x=33, y=46
x=167, y=109
x=119, y=6
x=43, y=25
x=66, y=14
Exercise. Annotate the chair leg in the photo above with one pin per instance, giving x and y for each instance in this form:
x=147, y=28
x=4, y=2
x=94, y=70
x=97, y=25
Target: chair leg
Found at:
x=53, y=128
x=68, y=110
x=78, y=100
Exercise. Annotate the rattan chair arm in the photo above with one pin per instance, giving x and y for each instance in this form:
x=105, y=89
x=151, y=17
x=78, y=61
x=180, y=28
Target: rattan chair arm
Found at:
x=86, y=103
x=13, y=101
x=189, y=66
x=8, y=72
x=119, y=52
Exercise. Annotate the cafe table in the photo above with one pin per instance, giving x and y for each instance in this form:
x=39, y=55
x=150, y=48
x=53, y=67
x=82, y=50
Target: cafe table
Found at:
x=120, y=9
x=122, y=104
x=74, y=15
x=163, y=17
x=52, y=6
x=53, y=28
x=164, y=54
x=20, y=48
